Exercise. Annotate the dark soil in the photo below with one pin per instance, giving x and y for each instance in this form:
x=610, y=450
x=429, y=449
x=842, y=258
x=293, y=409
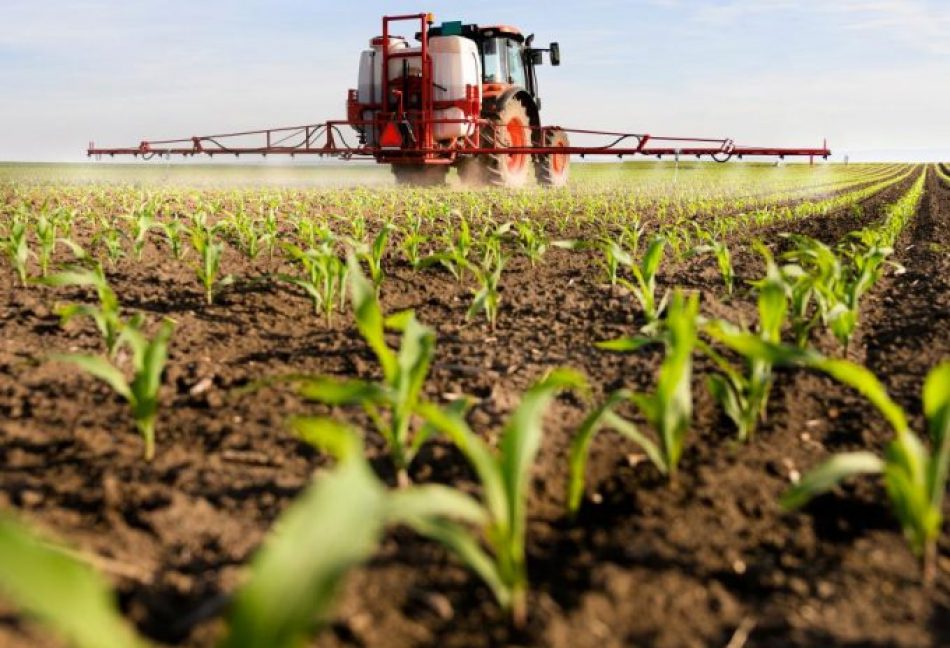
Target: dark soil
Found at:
x=704, y=561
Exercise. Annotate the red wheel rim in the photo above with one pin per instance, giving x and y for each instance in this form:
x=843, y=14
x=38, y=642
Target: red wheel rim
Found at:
x=516, y=139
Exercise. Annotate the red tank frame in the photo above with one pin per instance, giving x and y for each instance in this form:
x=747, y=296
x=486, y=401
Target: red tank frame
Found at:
x=415, y=130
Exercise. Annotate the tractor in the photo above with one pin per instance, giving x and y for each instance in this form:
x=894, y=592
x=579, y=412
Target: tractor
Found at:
x=481, y=90
x=461, y=96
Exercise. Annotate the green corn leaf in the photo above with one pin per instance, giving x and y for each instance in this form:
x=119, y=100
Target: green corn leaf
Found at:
x=434, y=500
x=629, y=430
x=330, y=436
x=521, y=439
x=101, y=369
x=906, y=475
x=62, y=592
x=148, y=378
x=369, y=318
x=450, y=422
x=463, y=544
x=341, y=391
x=936, y=399
x=865, y=382
x=580, y=447
x=830, y=474
x=627, y=344
x=335, y=525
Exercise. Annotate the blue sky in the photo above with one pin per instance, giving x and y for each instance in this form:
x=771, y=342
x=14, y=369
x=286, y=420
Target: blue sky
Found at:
x=873, y=76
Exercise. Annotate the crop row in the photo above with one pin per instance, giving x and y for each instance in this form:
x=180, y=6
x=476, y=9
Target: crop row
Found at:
x=347, y=509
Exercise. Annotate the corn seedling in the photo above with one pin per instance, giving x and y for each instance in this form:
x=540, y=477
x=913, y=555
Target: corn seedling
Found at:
x=744, y=397
x=488, y=295
x=614, y=257
x=455, y=257
x=141, y=393
x=915, y=477
x=668, y=410
x=173, y=236
x=723, y=260
x=333, y=526
x=645, y=275
x=504, y=477
x=404, y=373
x=143, y=220
x=111, y=237
x=324, y=278
x=16, y=249
x=107, y=315
x=373, y=254
x=203, y=239
x=412, y=241
x=46, y=237
x=60, y=591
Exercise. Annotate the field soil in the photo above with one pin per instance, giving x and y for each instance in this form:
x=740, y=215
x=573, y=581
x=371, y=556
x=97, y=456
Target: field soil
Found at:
x=707, y=560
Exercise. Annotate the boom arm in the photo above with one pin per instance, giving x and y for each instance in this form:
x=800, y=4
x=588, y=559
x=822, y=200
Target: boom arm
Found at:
x=327, y=139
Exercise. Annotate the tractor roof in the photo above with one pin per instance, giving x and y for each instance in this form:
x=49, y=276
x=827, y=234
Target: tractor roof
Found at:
x=475, y=31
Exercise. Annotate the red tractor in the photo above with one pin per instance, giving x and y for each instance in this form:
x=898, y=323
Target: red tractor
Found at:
x=478, y=89
x=461, y=95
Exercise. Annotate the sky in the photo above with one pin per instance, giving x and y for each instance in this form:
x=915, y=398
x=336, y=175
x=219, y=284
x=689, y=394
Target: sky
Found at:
x=871, y=76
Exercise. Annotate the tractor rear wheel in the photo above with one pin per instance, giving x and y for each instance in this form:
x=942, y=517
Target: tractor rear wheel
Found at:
x=511, y=127
x=420, y=175
x=553, y=170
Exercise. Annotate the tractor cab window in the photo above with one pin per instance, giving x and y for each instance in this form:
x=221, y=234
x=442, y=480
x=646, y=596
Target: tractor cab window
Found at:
x=494, y=60
x=516, y=71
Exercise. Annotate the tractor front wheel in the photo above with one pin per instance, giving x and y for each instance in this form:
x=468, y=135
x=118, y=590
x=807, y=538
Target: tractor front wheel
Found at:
x=511, y=127
x=553, y=170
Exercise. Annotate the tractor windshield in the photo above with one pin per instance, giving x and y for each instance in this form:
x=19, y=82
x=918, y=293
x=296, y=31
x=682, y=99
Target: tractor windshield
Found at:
x=503, y=62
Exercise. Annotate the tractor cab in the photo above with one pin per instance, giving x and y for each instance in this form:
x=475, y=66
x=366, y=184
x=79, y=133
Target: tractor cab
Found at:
x=507, y=56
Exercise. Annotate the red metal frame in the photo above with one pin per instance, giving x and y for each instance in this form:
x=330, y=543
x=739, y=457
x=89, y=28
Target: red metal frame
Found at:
x=417, y=125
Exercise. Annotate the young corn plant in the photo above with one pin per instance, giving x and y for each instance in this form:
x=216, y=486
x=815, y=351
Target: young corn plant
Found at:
x=336, y=524
x=814, y=276
x=143, y=221
x=505, y=477
x=209, y=249
x=107, y=316
x=372, y=255
x=915, y=477
x=45, y=230
x=173, y=230
x=324, y=278
x=614, y=257
x=64, y=594
x=455, y=257
x=744, y=397
x=391, y=402
x=488, y=296
x=142, y=392
x=645, y=275
x=723, y=259
x=669, y=410
x=866, y=267
x=110, y=236
x=16, y=249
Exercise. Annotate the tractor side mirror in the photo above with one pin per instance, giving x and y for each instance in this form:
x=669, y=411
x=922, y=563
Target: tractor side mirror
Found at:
x=555, y=54
x=537, y=57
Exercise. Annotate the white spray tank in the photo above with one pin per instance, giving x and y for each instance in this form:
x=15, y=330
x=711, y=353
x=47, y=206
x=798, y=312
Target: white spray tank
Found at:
x=370, y=84
x=455, y=66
